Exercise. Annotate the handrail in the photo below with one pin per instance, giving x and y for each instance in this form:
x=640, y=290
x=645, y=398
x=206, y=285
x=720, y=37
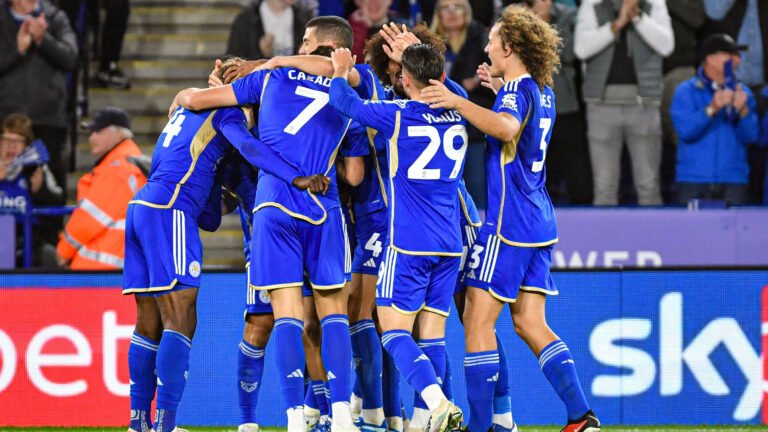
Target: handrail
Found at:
x=26, y=220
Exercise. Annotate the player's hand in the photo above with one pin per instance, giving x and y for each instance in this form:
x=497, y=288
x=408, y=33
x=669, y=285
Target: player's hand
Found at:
x=213, y=77
x=397, y=40
x=23, y=38
x=343, y=61
x=487, y=80
x=437, y=95
x=265, y=44
x=37, y=28
x=240, y=70
x=317, y=183
x=3, y=170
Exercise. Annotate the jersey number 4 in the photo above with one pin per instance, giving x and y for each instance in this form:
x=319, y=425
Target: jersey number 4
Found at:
x=173, y=127
x=319, y=100
x=419, y=170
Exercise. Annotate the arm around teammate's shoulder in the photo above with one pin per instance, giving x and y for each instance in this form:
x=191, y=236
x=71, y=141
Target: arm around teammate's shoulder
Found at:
x=501, y=126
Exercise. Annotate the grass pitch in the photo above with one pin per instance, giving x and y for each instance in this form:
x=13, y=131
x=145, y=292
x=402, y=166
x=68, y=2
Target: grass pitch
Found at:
x=660, y=428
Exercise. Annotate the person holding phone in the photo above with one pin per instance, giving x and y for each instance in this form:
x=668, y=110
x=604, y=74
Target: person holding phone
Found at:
x=715, y=117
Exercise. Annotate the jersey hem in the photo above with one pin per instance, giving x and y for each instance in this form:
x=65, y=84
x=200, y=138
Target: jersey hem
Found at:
x=326, y=287
x=523, y=244
x=425, y=253
x=294, y=214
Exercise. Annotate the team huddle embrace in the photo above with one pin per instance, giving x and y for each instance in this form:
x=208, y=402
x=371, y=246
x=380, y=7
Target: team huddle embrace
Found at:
x=304, y=146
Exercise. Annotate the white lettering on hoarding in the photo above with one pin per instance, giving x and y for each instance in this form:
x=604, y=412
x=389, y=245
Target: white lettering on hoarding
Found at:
x=606, y=347
x=112, y=333
x=8, y=355
x=610, y=258
x=36, y=360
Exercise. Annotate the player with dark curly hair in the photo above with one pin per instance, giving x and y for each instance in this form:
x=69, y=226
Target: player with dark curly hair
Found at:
x=520, y=228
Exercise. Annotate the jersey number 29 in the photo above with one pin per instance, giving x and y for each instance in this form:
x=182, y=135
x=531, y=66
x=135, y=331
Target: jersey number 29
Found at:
x=419, y=170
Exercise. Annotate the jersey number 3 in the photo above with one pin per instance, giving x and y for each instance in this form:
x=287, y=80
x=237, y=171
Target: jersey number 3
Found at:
x=545, y=124
x=419, y=170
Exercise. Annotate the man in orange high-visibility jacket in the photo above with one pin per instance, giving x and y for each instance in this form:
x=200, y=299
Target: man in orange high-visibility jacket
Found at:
x=94, y=238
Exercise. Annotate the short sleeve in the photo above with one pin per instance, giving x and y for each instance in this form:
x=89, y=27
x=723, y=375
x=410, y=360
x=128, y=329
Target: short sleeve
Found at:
x=512, y=100
x=248, y=89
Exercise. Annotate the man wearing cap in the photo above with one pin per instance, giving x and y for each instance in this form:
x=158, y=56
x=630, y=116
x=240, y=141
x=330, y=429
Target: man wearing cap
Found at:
x=715, y=117
x=94, y=238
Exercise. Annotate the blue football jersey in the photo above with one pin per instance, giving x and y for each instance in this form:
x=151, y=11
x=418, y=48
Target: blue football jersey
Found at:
x=240, y=179
x=184, y=162
x=469, y=214
x=296, y=121
x=426, y=151
x=519, y=207
x=187, y=153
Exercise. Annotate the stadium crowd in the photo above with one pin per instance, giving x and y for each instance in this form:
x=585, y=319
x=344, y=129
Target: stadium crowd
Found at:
x=390, y=98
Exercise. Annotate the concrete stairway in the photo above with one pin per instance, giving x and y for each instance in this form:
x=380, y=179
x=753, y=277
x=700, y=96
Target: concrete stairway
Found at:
x=170, y=45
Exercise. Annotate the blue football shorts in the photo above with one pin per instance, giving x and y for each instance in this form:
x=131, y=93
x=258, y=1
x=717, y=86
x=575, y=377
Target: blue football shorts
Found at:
x=256, y=302
x=410, y=283
x=468, y=238
x=163, y=251
x=284, y=247
x=371, y=233
x=503, y=270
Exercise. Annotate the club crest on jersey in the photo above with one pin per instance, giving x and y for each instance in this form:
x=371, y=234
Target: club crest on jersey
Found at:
x=194, y=269
x=249, y=387
x=509, y=101
x=264, y=297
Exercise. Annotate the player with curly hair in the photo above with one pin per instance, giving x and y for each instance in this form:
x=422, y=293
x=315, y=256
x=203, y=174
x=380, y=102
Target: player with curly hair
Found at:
x=520, y=228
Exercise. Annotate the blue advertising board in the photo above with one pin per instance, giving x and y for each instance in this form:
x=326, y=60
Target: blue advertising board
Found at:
x=651, y=347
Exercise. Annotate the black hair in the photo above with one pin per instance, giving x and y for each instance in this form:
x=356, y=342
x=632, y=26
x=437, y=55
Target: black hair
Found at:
x=332, y=28
x=423, y=63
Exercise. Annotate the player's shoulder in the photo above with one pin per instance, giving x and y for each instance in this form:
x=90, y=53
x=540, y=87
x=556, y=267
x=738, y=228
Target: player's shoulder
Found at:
x=305, y=79
x=523, y=83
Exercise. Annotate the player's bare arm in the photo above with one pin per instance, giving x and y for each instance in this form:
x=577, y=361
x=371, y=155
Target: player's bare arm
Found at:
x=242, y=69
x=196, y=99
x=498, y=125
x=311, y=64
x=351, y=170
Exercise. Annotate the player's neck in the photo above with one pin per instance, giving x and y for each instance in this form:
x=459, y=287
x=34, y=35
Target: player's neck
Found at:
x=414, y=93
x=515, y=71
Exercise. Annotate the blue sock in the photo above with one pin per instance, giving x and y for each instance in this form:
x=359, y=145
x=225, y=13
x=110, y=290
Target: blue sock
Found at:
x=390, y=387
x=502, y=399
x=558, y=366
x=316, y=397
x=142, y=354
x=448, y=381
x=250, y=368
x=481, y=370
x=367, y=347
x=409, y=359
x=435, y=351
x=289, y=351
x=324, y=400
x=172, y=370
x=336, y=349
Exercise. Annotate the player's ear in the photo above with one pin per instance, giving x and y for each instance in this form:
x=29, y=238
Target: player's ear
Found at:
x=442, y=77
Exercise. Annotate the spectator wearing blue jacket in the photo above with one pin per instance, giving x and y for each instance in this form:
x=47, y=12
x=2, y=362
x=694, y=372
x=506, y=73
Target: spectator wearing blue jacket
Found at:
x=714, y=125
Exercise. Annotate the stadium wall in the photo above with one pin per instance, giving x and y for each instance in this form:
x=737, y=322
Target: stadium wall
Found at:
x=651, y=346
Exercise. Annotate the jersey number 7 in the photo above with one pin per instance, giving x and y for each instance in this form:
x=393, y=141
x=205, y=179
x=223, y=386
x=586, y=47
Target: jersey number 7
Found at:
x=319, y=100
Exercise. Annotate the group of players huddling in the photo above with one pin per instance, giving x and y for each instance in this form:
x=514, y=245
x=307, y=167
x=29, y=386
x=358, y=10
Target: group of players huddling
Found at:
x=322, y=123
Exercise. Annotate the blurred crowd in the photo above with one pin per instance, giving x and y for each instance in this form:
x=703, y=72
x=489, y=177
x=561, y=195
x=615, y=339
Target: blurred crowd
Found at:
x=658, y=102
